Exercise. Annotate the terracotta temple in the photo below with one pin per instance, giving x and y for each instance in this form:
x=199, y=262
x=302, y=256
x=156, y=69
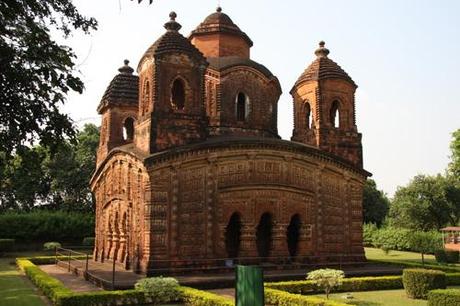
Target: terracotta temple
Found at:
x=191, y=171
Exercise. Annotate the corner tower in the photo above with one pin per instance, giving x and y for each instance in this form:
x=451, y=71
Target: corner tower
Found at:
x=118, y=108
x=171, y=93
x=324, y=109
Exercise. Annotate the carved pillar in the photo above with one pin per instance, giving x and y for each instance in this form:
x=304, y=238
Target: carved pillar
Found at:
x=122, y=229
x=115, y=238
x=248, y=246
x=279, y=240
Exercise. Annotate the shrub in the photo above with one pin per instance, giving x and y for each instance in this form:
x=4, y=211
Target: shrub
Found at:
x=370, y=230
x=326, y=279
x=452, y=256
x=281, y=298
x=88, y=241
x=48, y=246
x=391, y=239
x=196, y=297
x=425, y=242
x=6, y=245
x=160, y=289
x=440, y=256
x=417, y=282
x=446, y=297
x=46, y=225
x=348, y=285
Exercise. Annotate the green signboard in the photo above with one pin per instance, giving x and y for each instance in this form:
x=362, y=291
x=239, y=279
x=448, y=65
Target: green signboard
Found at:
x=249, y=286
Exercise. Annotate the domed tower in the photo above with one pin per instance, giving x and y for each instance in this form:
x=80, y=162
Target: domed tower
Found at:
x=171, y=93
x=119, y=108
x=324, y=109
x=241, y=94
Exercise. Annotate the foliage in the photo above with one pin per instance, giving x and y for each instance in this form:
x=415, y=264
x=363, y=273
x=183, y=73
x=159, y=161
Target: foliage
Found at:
x=417, y=282
x=195, y=297
x=6, y=245
x=375, y=203
x=46, y=225
x=370, y=230
x=444, y=297
x=60, y=180
x=390, y=238
x=48, y=246
x=281, y=298
x=425, y=242
x=88, y=241
x=160, y=289
x=427, y=203
x=452, y=256
x=326, y=279
x=37, y=73
x=440, y=256
x=348, y=285
x=454, y=165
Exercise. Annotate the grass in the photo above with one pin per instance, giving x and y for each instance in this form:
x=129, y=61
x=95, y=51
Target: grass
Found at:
x=378, y=254
x=15, y=289
x=377, y=298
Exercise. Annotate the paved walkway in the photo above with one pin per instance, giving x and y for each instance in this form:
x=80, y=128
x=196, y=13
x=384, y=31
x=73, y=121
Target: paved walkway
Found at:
x=71, y=281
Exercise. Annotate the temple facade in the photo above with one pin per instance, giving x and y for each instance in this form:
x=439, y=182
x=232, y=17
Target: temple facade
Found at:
x=191, y=171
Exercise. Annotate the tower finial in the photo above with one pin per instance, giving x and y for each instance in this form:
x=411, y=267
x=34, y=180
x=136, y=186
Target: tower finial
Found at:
x=172, y=25
x=126, y=69
x=219, y=9
x=322, y=51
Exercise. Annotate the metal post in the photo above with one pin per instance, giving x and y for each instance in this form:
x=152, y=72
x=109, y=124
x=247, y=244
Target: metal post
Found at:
x=70, y=258
x=87, y=261
x=113, y=275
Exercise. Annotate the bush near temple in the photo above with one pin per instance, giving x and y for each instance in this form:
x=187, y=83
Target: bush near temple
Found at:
x=444, y=297
x=326, y=279
x=46, y=225
x=6, y=245
x=160, y=289
x=418, y=282
x=88, y=241
x=281, y=298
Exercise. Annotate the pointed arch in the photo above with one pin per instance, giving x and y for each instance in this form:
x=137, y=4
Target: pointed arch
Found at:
x=178, y=94
x=308, y=115
x=334, y=114
x=233, y=235
x=293, y=234
x=128, y=129
x=264, y=235
x=241, y=106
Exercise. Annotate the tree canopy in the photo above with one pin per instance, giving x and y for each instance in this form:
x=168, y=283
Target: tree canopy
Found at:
x=454, y=165
x=36, y=72
x=375, y=203
x=61, y=180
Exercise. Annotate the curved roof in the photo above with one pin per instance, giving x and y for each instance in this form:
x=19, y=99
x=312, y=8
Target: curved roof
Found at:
x=323, y=68
x=172, y=41
x=122, y=90
x=219, y=22
x=222, y=63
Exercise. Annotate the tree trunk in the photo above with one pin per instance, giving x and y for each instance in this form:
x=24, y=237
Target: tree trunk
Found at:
x=423, y=260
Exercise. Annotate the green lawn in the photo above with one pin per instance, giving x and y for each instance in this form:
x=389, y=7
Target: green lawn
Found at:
x=377, y=298
x=378, y=254
x=15, y=289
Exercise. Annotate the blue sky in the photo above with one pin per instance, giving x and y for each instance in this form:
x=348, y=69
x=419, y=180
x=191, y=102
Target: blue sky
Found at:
x=404, y=55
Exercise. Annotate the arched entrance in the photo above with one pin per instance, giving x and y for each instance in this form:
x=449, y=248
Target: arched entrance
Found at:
x=264, y=235
x=232, y=236
x=292, y=235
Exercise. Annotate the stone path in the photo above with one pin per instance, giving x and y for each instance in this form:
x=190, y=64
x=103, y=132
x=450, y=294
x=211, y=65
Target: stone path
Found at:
x=71, y=281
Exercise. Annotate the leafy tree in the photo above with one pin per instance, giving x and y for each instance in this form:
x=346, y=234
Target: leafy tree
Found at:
x=423, y=204
x=326, y=279
x=454, y=165
x=70, y=171
x=34, y=176
x=36, y=72
x=425, y=242
x=375, y=203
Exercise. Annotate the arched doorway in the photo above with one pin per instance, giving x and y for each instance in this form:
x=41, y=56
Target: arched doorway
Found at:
x=292, y=235
x=264, y=235
x=233, y=236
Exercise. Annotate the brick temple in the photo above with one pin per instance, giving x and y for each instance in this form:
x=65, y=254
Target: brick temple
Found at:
x=191, y=170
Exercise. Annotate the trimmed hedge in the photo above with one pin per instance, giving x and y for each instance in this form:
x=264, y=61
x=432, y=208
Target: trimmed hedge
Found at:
x=417, y=282
x=195, y=297
x=6, y=245
x=348, y=284
x=281, y=298
x=452, y=256
x=444, y=297
x=445, y=268
x=46, y=225
x=62, y=296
